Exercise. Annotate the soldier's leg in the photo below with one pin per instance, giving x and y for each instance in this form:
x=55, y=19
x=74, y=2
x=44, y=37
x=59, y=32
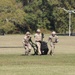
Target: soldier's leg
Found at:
x=26, y=50
x=39, y=47
x=26, y=47
x=29, y=49
x=49, y=47
x=52, y=49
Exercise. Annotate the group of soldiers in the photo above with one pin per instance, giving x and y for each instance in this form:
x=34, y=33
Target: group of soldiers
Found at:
x=52, y=39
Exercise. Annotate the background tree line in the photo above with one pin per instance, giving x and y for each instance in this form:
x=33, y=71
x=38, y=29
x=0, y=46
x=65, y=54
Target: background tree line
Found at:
x=18, y=16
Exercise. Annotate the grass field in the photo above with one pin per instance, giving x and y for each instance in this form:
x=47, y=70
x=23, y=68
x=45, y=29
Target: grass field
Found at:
x=13, y=61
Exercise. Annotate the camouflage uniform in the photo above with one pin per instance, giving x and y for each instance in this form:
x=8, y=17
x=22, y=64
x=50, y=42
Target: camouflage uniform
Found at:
x=38, y=38
x=53, y=38
x=26, y=43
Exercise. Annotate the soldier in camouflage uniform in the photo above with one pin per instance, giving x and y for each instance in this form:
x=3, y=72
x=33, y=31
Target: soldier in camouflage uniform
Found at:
x=26, y=43
x=38, y=39
x=53, y=39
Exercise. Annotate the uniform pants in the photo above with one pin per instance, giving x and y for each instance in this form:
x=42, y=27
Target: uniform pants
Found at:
x=52, y=47
x=39, y=47
x=27, y=48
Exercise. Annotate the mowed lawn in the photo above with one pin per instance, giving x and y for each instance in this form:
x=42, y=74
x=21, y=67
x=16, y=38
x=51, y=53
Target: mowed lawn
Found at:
x=13, y=61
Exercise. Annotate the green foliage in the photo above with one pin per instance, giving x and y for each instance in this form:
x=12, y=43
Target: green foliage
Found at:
x=60, y=18
x=11, y=14
x=32, y=14
x=8, y=27
x=36, y=17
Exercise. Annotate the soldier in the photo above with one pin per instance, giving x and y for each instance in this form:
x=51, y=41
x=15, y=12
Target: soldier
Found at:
x=26, y=43
x=53, y=38
x=38, y=39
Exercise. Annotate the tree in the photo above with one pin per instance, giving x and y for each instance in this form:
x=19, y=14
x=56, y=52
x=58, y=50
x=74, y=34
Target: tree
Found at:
x=28, y=15
x=36, y=15
x=69, y=5
x=10, y=15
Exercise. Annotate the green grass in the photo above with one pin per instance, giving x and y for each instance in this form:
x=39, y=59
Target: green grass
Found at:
x=13, y=61
x=63, y=64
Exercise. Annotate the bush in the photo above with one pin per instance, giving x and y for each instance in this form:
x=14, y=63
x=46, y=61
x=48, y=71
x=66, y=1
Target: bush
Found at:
x=2, y=32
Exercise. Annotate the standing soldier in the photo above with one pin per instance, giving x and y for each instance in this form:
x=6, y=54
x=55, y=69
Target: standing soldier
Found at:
x=38, y=39
x=26, y=43
x=53, y=38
